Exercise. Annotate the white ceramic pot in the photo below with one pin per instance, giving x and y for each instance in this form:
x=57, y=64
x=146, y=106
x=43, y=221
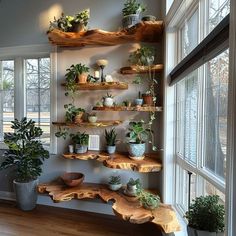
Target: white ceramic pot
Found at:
x=108, y=102
x=194, y=232
x=92, y=119
x=115, y=187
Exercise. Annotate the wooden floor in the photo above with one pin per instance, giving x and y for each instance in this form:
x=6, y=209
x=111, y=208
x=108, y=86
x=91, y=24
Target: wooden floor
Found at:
x=50, y=221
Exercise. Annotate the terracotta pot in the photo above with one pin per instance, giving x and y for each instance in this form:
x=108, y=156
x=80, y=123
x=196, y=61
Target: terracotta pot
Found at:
x=83, y=78
x=78, y=118
x=148, y=99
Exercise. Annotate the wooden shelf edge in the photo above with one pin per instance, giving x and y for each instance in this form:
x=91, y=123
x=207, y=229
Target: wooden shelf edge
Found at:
x=151, y=162
x=127, y=208
x=141, y=69
x=98, y=124
x=144, y=31
x=123, y=108
x=101, y=86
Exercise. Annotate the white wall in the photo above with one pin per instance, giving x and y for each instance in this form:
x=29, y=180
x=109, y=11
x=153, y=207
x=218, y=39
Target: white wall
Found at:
x=25, y=23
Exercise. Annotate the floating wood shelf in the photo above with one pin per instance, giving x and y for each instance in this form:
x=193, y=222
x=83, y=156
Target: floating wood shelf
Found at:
x=105, y=123
x=150, y=163
x=141, y=69
x=127, y=208
x=123, y=108
x=102, y=86
x=145, y=31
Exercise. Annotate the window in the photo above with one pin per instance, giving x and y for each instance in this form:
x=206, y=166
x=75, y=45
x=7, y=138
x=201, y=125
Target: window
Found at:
x=26, y=82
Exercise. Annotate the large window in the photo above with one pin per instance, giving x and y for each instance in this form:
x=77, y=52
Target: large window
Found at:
x=31, y=77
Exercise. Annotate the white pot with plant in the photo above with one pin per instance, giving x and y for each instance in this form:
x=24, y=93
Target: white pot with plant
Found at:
x=92, y=117
x=132, y=187
x=114, y=183
x=81, y=142
x=110, y=136
x=131, y=13
x=25, y=153
x=108, y=100
x=206, y=217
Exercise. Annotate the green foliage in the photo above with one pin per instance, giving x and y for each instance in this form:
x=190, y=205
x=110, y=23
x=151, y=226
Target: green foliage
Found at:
x=134, y=182
x=110, y=137
x=25, y=151
x=62, y=133
x=108, y=95
x=80, y=138
x=148, y=200
x=114, y=180
x=138, y=133
x=66, y=23
x=132, y=7
x=205, y=213
x=71, y=112
x=143, y=56
x=71, y=76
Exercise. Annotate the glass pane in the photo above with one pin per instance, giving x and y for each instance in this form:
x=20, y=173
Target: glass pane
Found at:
x=189, y=35
x=216, y=99
x=38, y=94
x=218, y=9
x=7, y=95
x=187, y=110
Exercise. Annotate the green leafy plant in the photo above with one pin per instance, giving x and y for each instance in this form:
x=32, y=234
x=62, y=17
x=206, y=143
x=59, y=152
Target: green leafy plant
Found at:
x=71, y=112
x=205, y=213
x=83, y=17
x=25, y=151
x=72, y=76
x=110, y=137
x=134, y=182
x=62, y=133
x=80, y=138
x=114, y=180
x=137, y=132
x=132, y=7
x=148, y=200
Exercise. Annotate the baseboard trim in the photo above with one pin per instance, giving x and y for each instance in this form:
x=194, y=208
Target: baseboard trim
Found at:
x=7, y=195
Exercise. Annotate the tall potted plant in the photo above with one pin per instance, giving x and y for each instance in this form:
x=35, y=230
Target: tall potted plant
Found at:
x=25, y=153
x=206, y=217
x=110, y=136
x=137, y=136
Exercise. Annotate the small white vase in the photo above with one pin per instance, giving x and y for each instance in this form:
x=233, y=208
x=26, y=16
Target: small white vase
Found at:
x=108, y=102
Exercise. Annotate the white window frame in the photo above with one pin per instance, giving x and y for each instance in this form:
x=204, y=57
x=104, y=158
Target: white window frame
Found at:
x=18, y=54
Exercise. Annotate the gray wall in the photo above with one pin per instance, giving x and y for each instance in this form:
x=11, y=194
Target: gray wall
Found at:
x=25, y=23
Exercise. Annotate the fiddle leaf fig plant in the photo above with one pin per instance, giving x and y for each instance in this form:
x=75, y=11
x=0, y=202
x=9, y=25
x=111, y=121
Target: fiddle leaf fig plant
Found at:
x=25, y=150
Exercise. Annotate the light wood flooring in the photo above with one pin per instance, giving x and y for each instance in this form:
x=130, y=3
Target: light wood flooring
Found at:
x=51, y=221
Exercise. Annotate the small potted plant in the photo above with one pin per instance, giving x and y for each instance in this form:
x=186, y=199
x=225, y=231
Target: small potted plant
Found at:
x=111, y=140
x=148, y=200
x=73, y=114
x=139, y=101
x=206, y=217
x=131, y=12
x=137, y=137
x=148, y=18
x=81, y=142
x=114, y=183
x=92, y=117
x=148, y=98
x=81, y=21
x=133, y=187
x=108, y=100
x=26, y=153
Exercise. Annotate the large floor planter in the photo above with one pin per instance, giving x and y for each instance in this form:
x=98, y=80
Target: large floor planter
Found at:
x=26, y=194
x=194, y=232
x=136, y=151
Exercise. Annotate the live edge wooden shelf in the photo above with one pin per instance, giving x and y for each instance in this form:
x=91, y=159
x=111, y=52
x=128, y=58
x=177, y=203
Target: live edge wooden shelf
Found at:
x=102, y=123
x=151, y=162
x=141, y=69
x=145, y=31
x=127, y=208
x=123, y=108
x=102, y=86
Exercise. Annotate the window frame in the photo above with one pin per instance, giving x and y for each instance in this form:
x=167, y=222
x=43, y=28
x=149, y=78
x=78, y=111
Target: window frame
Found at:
x=19, y=54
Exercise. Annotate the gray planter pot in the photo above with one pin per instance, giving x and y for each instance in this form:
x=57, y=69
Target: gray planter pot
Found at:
x=136, y=151
x=81, y=148
x=130, y=20
x=194, y=232
x=111, y=149
x=115, y=187
x=26, y=194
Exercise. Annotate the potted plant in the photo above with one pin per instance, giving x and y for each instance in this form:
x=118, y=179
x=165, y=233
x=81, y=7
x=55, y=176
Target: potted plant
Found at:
x=148, y=200
x=108, y=100
x=206, y=217
x=81, y=21
x=111, y=140
x=131, y=12
x=92, y=117
x=81, y=142
x=148, y=98
x=73, y=114
x=137, y=137
x=148, y=18
x=26, y=153
x=132, y=187
x=114, y=183
x=139, y=101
